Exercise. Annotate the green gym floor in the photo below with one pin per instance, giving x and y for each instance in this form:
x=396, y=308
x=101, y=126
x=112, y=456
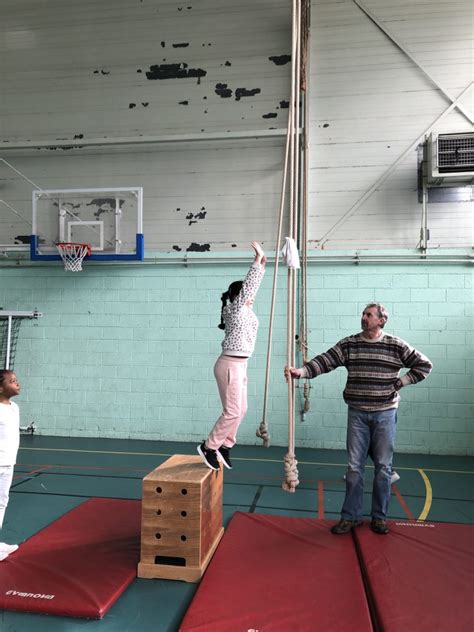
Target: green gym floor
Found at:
x=54, y=475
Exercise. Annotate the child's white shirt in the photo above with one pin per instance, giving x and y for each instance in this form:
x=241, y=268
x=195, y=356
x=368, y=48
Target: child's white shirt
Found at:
x=9, y=433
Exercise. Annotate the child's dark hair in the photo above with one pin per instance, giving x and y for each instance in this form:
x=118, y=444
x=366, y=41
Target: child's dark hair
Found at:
x=232, y=292
x=4, y=373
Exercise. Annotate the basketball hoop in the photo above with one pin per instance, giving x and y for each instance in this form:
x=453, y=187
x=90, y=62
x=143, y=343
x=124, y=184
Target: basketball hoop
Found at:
x=73, y=254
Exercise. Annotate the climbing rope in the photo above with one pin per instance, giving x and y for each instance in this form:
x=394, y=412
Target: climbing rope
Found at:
x=262, y=430
x=291, y=165
x=291, y=480
x=303, y=333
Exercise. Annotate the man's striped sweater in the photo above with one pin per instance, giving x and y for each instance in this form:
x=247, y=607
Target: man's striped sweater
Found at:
x=373, y=368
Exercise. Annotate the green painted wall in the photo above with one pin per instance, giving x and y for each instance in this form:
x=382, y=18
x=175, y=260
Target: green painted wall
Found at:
x=128, y=351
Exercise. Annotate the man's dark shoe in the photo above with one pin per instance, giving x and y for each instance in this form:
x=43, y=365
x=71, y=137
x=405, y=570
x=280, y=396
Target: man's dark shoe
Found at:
x=223, y=454
x=379, y=526
x=344, y=526
x=209, y=456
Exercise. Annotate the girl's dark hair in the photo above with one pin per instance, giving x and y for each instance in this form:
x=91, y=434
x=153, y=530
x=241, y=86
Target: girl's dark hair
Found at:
x=232, y=292
x=4, y=374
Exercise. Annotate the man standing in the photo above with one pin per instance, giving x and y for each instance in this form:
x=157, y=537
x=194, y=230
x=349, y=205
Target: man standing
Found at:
x=373, y=360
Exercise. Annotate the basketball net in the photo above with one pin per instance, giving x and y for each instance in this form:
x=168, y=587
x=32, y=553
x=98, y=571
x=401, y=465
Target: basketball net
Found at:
x=73, y=255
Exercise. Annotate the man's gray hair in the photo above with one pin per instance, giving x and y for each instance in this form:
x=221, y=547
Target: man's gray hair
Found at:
x=382, y=311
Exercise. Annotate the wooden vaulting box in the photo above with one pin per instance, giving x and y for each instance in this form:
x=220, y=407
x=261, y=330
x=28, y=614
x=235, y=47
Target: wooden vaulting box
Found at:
x=181, y=519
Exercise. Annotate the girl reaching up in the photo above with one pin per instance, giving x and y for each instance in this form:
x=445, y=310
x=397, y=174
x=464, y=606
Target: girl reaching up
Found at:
x=240, y=325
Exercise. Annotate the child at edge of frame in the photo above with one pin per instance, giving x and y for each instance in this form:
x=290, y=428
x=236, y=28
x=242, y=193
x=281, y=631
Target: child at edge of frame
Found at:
x=9, y=444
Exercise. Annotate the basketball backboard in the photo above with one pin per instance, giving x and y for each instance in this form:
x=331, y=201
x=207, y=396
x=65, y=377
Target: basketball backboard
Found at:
x=109, y=220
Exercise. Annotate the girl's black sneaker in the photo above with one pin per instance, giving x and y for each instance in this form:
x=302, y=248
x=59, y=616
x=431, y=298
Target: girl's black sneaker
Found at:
x=209, y=456
x=223, y=454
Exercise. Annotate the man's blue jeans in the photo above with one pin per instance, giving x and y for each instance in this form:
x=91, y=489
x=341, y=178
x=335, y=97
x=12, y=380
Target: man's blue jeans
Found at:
x=364, y=429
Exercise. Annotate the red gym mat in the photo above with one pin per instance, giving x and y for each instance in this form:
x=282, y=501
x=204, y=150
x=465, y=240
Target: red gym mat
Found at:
x=79, y=565
x=276, y=573
x=420, y=576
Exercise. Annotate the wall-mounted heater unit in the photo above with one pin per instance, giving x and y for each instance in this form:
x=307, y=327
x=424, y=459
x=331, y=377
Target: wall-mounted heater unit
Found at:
x=450, y=159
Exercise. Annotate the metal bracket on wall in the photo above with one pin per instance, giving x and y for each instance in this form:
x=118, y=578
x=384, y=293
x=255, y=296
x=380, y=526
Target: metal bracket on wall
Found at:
x=11, y=321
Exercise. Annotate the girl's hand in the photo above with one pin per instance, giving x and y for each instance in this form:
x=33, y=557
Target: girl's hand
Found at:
x=259, y=253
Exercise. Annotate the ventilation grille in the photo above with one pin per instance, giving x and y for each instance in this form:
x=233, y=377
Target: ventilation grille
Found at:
x=455, y=152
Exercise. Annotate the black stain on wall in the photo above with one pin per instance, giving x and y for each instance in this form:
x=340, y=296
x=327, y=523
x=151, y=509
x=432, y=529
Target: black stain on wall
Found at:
x=280, y=60
x=139, y=70
x=270, y=115
x=71, y=206
x=22, y=239
x=177, y=248
x=193, y=247
x=63, y=147
x=243, y=92
x=227, y=63
x=182, y=45
x=78, y=136
x=131, y=106
x=223, y=91
x=174, y=71
x=163, y=44
x=284, y=105
x=108, y=202
x=104, y=205
x=193, y=217
x=145, y=104
x=183, y=102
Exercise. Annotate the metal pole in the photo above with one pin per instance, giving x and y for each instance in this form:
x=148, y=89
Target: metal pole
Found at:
x=9, y=340
x=424, y=232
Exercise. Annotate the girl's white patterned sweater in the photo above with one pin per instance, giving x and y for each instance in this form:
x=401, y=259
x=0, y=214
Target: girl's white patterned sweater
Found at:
x=241, y=324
